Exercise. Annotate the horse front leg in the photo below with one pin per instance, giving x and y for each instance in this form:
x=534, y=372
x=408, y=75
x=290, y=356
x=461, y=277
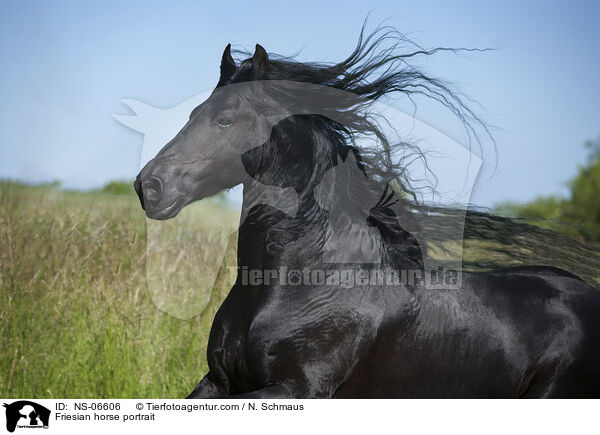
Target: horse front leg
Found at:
x=207, y=389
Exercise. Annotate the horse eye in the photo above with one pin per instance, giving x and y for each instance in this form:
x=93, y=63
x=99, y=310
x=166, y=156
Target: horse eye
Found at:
x=224, y=122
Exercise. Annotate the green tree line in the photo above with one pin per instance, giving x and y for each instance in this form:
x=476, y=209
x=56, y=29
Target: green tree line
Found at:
x=578, y=214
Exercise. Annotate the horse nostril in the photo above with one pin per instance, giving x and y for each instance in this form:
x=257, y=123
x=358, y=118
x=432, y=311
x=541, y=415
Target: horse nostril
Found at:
x=153, y=189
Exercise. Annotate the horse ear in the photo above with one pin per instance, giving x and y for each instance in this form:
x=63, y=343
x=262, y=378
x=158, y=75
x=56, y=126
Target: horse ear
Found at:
x=228, y=66
x=260, y=62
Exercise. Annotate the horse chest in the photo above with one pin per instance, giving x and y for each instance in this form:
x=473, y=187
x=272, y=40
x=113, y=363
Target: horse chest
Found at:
x=315, y=344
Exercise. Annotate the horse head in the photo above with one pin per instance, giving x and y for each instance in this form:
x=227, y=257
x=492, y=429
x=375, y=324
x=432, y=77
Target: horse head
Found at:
x=211, y=153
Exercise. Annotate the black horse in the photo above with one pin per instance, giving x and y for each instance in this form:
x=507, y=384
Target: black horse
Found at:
x=513, y=332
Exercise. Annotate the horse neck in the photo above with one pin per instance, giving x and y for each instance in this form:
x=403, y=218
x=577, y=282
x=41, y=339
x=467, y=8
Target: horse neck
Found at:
x=281, y=223
x=270, y=237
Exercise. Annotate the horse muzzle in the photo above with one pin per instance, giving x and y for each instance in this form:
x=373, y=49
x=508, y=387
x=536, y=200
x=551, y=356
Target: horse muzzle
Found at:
x=154, y=198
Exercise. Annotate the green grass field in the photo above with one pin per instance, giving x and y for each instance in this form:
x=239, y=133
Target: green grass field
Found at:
x=76, y=315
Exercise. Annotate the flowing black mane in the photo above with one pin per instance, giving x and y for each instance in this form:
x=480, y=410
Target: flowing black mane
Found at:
x=379, y=67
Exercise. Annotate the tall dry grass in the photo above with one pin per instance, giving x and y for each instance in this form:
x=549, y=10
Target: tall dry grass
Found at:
x=76, y=315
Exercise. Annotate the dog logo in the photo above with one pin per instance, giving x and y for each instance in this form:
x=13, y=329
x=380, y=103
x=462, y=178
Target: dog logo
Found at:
x=26, y=414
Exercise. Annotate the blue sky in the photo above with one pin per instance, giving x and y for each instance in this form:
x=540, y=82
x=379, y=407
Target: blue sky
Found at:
x=64, y=67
